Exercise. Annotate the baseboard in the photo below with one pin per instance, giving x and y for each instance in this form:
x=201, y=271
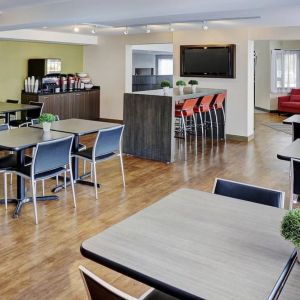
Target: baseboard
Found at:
x=266, y=110
x=111, y=120
x=239, y=138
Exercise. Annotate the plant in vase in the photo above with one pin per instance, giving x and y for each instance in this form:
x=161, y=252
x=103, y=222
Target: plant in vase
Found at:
x=181, y=84
x=46, y=120
x=290, y=228
x=193, y=84
x=165, y=84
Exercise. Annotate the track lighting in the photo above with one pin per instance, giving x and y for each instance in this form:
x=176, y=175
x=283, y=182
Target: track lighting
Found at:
x=204, y=25
x=148, y=29
x=171, y=29
x=126, y=30
x=93, y=31
x=76, y=28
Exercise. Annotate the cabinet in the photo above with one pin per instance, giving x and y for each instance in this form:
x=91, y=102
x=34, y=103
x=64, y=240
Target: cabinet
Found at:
x=79, y=104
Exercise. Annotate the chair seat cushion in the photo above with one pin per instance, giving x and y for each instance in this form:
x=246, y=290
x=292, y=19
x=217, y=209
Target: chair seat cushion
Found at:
x=88, y=153
x=291, y=104
x=10, y=161
x=157, y=295
x=26, y=170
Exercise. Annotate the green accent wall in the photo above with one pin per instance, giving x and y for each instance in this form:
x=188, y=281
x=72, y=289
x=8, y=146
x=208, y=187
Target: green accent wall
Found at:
x=14, y=56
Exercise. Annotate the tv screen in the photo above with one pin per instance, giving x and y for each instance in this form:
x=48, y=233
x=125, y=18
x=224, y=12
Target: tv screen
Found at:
x=208, y=61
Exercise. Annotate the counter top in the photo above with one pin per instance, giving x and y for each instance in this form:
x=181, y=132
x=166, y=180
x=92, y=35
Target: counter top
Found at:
x=187, y=93
x=94, y=88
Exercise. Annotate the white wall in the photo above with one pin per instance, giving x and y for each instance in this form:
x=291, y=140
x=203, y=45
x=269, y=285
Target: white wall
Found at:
x=106, y=63
x=240, y=103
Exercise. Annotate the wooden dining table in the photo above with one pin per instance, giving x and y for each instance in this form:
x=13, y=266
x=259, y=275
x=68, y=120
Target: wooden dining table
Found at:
x=197, y=245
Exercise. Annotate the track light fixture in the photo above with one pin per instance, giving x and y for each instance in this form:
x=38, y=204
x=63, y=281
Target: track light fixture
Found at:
x=171, y=29
x=204, y=25
x=126, y=30
x=148, y=30
x=76, y=28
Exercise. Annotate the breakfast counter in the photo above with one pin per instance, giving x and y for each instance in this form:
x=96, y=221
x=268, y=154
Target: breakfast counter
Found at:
x=150, y=122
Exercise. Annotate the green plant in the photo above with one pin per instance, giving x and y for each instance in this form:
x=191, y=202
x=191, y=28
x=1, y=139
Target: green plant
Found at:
x=165, y=83
x=290, y=226
x=193, y=82
x=180, y=83
x=46, y=118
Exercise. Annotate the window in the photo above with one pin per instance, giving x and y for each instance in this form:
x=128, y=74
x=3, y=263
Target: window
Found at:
x=164, y=65
x=285, y=70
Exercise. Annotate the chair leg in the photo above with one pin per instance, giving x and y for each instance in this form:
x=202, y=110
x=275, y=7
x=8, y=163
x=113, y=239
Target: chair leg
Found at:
x=211, y=125
x=122, y=169
x=5, y=190
x=65, y=180
x=43, y=187
x=84, y=166
x=217, y=123
x=95, y=179
x=57, y=183
x=11, y=178
x=195, y=124
x=184, y=125
x=92, y=175
x=72, y=185
x=201, y=121
x=33, y=187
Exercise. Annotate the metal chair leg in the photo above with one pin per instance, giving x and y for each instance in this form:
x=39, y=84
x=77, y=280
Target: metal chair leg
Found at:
x=33, y=187
x=184, y=125
x=11, y=178
x=84, y=166
x=95, y=179
x=122, y=169
x=5, y=190
x=211, y=125
x=72, y=184
x=57, y=183
x=217, y=123
x=65, y=179
x=201, y=121
x=43, y=187
x=195, y=124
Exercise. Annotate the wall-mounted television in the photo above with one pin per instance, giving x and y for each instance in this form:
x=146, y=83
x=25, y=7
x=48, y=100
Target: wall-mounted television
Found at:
x=213, y=61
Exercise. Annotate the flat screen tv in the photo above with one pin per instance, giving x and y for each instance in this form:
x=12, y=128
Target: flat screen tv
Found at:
x=216, y=61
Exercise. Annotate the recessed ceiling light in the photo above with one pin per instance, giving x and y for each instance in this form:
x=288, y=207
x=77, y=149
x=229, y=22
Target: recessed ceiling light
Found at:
x=148, y=30
x=126, y=30
x=76, y=28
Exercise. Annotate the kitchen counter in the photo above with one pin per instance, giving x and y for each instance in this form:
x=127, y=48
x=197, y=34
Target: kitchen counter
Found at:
x=149, y=118
x=94, y=88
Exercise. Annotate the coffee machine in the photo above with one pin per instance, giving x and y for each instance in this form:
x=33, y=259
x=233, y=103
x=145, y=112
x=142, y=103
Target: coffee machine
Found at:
x=51, y=83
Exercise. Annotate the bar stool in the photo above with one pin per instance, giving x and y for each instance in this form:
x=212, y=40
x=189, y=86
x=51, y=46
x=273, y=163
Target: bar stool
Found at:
x=203, y=106
x=185, y=110
x=218, y=105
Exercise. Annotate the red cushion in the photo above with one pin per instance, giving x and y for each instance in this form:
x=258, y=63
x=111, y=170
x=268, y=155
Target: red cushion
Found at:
x=295, y=98
x=291, y=104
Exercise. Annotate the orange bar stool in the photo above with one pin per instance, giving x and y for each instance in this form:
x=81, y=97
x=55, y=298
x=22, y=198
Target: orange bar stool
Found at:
x=185, y=111
x=218, y=105
x=204, y=106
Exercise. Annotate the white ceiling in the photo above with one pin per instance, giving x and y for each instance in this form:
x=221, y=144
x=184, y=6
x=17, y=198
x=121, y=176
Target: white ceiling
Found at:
x=113, y=15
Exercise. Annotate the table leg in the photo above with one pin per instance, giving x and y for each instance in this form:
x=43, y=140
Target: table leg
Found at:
x=7, y=118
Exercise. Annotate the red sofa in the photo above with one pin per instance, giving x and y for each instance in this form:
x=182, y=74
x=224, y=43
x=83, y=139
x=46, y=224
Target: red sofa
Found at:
x=290, y=103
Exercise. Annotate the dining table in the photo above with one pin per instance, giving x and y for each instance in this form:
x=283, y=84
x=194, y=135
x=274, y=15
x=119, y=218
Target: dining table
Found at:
x=197, y=245
x=292, y=119
x=77, y=127
x=8, y=108
x=18, y=140
x=290, y=151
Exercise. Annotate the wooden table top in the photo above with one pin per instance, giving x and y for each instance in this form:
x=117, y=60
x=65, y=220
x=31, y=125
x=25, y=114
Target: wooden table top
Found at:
x=13, y=107
x=26, y=137
x=292, y=119
x=291, y=151
x=291, y=290
x=79, y=126
x=197, y=245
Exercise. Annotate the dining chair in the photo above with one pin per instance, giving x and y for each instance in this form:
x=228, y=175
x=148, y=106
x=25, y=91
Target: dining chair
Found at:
x=108, y=144
x=248, y=192
x=31, y=114
x=98, y=289
x=294, y=182
x=50, y=158
x=218, y=105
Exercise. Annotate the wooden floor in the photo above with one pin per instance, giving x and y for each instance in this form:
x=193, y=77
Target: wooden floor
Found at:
x=41, y=262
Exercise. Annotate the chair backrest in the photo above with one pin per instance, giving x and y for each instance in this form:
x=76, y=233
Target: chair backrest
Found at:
x=51, y=155
x=219, y=100
x=248, y=192
x=296, y=131
x=35, y=113
x=34, y=121
x=98, y=289
x=108, y=141
x=4, y=127
x=205, y=102
x=189, y=104
x=12, y=101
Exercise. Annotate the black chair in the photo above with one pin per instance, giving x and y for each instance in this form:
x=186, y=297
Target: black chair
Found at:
x=295, y=182
x=31, y=114
x=50, y=158
x=98, y=289
x=248, y=192
x=108, y=145
x=296, y=131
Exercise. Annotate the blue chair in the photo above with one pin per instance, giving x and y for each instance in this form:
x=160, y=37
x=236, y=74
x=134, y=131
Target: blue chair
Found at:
x=108, y=144
x=97, y=289
x=248, y=192
x=50, y=158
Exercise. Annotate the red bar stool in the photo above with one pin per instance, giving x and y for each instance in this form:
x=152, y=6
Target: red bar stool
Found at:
x=185, y=110
x=218, y=105
x=204, y=106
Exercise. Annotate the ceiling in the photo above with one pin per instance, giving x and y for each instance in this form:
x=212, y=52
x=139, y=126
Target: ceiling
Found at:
x=111, y=17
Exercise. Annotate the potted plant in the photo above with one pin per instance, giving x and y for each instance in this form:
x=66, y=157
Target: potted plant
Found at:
x=181, y=84
x=165, y=84
x=193, y=84
x=290, y=228
x=46, y=120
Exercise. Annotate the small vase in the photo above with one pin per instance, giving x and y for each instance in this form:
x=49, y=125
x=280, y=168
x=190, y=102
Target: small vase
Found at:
x=46, y=126
x=166, y=90
x=194, y=88
x=181, y=89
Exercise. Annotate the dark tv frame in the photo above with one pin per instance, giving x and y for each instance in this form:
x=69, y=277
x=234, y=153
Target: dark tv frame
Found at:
x=232, y=59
